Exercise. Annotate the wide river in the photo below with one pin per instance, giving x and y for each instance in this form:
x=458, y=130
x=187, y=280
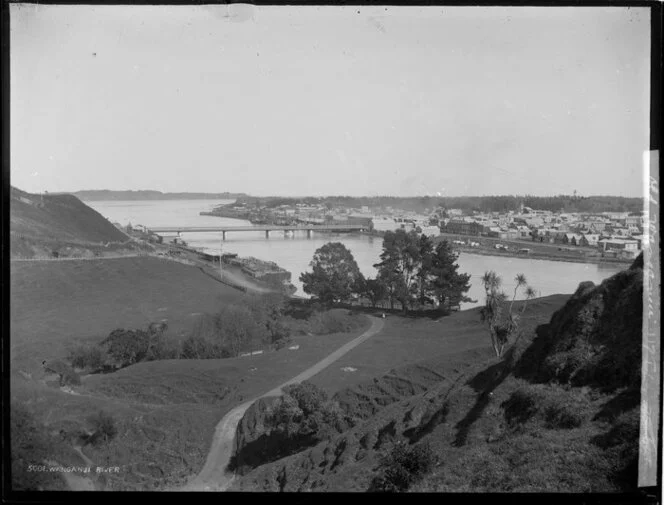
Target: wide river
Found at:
x=295, y=253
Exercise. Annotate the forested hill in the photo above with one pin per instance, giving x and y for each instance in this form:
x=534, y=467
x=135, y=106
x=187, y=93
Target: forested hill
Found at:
x=105, y=194
x=560, y=203
x=505, y=203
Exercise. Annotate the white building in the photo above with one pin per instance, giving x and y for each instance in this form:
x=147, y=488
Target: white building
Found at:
x=430, y=231
x=382, y=223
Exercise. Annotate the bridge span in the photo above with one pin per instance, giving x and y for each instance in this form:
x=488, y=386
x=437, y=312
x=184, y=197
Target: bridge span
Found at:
x=267, y=228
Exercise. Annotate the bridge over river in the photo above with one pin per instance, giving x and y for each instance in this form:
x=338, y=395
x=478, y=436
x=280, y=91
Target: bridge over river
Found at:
x=267, y=228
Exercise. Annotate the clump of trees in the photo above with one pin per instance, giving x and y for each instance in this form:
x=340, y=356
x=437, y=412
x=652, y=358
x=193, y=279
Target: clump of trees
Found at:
x=334, y=274
x=501, y=319
x=235, y=328
x=305, y=412
x=302, y=417
x=413, y=272
x=416, y=274
x=256, y=323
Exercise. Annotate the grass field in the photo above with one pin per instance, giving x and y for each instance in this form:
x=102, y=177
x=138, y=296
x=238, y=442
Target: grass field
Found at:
x=407, y=340
x=55, y=304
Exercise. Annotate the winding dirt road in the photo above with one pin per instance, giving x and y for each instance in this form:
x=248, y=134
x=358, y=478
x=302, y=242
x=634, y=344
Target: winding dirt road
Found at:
x=213, y=476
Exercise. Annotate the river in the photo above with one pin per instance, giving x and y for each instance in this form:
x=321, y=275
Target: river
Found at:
x=294, y=253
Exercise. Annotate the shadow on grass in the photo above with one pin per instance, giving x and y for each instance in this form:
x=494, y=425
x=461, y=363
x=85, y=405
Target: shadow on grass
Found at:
x=622, y=402
x=484, y=383
x=267, y=448
x=528, y=365
x=417, y=433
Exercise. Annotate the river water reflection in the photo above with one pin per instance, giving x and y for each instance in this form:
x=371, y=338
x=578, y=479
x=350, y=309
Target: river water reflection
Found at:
x=294, y=253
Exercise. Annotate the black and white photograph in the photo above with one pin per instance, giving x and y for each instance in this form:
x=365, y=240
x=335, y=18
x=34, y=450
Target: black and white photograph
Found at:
x=332, y=248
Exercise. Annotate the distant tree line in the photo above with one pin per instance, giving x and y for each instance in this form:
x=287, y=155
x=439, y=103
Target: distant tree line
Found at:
x=504, y=203
x=106, y=194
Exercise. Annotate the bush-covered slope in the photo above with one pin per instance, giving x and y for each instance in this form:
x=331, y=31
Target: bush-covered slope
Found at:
x=595, y=339
x=559, y=412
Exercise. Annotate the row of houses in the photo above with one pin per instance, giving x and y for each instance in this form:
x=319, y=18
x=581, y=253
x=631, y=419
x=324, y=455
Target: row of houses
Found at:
x=627, y=245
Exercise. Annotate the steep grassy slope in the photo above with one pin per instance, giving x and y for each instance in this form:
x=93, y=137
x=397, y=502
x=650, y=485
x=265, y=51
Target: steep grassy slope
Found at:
x=59, y=217
x=55, y=304
x=559, y=412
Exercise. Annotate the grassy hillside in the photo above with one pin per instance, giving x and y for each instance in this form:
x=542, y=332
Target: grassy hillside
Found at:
x=53, y=305
x=559, y=412
x=59, y=217
x=164, y=412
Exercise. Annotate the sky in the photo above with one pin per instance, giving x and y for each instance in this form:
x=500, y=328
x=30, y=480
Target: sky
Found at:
x=331, y=100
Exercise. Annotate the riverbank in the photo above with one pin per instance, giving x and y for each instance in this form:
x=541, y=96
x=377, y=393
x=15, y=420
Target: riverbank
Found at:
x=486, y=246
x=545, y=257
x=244, y=273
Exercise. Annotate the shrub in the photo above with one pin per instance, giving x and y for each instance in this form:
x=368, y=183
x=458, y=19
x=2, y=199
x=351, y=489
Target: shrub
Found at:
x=305, y=411
x=66, y=374
x=87, y=357
x=231, y=330
x=236, y=328
x=70, y=378
x=522, y=405
x=281, y=343
x=557, y=406
x=309, y=397
x=562, y=415
x=198, y=347
x=403, y=465
x=287, y=415
x=127, y=347
x=104, y=427
x=625, y=430
x=163, y=348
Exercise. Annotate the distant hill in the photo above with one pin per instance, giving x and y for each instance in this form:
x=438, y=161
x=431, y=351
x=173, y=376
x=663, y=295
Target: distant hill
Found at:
x=498, y=203
x=58, y=218
x=105, y=194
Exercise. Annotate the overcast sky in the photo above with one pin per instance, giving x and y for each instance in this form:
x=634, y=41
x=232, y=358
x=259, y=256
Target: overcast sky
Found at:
x=328, y=100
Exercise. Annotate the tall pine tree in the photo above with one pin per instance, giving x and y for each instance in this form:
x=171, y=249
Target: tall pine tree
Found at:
x=448, y=286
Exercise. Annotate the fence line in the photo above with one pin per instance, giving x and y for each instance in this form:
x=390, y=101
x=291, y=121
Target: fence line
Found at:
x=106, y=257
x=67, y=241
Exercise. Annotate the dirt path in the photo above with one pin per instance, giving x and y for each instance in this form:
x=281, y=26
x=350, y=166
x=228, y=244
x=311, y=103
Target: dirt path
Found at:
x=213, y=476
